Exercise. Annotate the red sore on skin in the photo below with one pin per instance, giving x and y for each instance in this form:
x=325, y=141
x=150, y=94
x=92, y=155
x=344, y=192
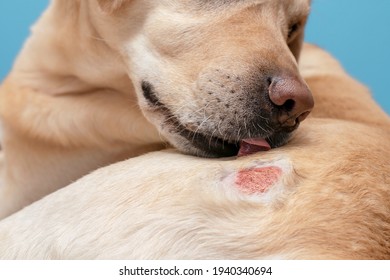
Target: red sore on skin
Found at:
x=257, y=180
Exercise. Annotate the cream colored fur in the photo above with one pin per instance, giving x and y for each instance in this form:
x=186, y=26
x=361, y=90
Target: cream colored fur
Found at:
x=73, y=101
x=332, y=201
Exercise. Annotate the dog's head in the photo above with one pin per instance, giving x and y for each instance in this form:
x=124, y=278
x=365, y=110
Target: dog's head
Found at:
x=211, y=73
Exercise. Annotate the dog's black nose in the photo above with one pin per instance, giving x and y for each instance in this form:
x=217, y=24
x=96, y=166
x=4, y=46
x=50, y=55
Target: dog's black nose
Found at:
x=292, y=97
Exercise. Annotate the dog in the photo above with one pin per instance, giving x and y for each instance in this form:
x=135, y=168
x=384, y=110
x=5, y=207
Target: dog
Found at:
x=324, y=195
x=101, y=81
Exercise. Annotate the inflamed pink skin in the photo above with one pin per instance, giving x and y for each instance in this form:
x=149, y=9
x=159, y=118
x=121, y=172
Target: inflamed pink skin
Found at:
x=254, y=181
x=262, y=180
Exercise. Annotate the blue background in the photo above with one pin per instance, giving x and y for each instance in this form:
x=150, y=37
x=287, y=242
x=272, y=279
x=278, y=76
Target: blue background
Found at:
x=357, y=32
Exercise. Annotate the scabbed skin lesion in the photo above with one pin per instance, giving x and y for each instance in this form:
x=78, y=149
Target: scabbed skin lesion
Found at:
x=265, y=181
x=253, y=180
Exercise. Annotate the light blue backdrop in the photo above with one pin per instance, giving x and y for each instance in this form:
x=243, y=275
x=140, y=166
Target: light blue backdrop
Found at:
x=357, y=32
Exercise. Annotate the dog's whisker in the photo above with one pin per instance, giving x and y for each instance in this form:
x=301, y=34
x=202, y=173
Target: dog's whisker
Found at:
x=176, y=111
x=204, y=121
x=245, y=126
x=203, y=108
x=168, y=119
x=258, y=126
x=219, y=128
x=238, y=133
x=211, y=138
x=199, y=126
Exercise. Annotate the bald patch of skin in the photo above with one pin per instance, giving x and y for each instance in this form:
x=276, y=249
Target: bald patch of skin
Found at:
x=254, y=180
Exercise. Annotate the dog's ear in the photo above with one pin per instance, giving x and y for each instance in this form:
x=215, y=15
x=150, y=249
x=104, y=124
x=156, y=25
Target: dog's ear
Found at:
x=110, y=6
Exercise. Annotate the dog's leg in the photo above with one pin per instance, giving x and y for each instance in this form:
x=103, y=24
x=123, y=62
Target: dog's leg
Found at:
x=31, y=169
x=49, y=142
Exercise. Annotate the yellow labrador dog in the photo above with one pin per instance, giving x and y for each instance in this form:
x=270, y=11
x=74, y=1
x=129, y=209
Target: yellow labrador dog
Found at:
x=324, y=195
x=100, y=81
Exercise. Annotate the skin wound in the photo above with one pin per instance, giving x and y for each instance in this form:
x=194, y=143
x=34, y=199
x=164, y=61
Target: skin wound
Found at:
x=257, y=180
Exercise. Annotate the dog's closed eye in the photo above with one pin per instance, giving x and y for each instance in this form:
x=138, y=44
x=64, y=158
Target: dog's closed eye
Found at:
x=293, y=29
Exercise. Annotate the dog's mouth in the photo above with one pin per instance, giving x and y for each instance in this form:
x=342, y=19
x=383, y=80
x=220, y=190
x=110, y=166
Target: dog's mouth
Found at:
x=208, y=145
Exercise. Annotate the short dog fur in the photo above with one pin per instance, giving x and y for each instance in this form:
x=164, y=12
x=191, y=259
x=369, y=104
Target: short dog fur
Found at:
x=331, y=200
x=101, y=81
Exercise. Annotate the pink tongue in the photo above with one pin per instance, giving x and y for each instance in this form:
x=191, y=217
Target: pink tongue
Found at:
x=253, y=145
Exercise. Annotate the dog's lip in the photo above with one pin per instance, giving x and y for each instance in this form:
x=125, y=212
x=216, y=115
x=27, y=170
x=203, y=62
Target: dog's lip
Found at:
x=211, y=146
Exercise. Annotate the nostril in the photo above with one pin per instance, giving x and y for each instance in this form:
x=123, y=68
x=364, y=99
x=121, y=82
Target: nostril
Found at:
x=288, y=106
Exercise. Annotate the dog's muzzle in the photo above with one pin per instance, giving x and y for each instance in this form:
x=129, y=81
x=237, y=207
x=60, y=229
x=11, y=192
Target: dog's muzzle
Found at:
x=286, y=103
